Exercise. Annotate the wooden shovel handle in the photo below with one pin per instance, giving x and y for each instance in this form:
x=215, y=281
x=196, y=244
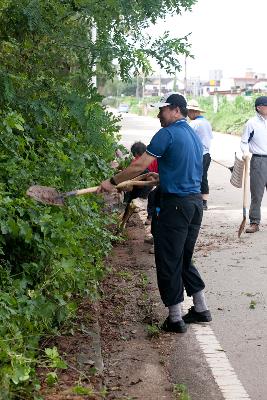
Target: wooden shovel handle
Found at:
x=80, y=191
x=245, y=192
x=135, y=183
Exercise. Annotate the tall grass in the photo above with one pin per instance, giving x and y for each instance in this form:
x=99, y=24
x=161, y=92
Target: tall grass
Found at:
x=231, y=115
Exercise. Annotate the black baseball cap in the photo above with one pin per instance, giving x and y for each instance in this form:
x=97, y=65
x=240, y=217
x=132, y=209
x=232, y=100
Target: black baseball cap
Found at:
x=171, y=99
x=261, y=101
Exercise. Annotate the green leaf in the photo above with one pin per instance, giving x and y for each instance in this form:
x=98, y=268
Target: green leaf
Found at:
x=83, y=390
x=20, y=373
x=51, y=378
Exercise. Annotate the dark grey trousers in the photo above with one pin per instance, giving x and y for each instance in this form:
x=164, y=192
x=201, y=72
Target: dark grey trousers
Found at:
x=258, y=182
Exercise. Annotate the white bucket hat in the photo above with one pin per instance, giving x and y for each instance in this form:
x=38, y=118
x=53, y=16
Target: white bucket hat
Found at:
x=193, y=105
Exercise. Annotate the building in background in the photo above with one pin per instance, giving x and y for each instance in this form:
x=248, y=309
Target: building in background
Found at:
x=159, y=85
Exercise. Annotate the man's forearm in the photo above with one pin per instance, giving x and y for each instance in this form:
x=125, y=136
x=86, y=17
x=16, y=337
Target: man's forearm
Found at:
x=130, y=172
x=134, y=169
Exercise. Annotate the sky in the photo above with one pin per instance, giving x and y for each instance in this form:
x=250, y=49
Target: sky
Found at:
x=226, y=34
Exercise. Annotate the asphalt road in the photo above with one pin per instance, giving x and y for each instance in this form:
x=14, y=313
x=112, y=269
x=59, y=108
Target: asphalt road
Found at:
x=235, y=272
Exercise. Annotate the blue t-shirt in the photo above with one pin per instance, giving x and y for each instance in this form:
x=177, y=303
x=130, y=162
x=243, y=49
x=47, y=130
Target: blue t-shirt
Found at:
x=179, y=152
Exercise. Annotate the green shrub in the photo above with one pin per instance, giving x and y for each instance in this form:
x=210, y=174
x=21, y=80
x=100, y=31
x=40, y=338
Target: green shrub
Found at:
x=54, y=132
x=231, y=115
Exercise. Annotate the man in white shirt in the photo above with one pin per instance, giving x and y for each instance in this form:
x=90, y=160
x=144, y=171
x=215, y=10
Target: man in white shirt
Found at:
x=254, y=140
x=204, y=130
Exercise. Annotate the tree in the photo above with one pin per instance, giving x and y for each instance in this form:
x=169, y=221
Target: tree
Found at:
x=54, y=131
x=120, y=34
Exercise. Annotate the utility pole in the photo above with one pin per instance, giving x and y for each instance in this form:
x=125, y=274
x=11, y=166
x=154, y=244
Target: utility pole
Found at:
x=137, y=88
x=143, y=91
x=185, y=75
x=93, y=38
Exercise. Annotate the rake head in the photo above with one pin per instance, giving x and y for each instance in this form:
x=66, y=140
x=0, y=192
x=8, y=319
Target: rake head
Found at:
x=237, y=173
x=46, y=195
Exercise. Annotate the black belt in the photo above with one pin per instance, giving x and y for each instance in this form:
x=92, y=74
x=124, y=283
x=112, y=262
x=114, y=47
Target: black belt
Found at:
x=174, y=195
x=259, y=155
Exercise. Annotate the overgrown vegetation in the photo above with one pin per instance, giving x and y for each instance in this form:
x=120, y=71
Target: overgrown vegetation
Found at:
x=54, y=131
x=231, y=115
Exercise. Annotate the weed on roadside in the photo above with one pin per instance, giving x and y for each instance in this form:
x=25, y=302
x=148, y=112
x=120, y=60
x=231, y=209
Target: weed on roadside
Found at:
x=126, y=275
x=180, y=392
x=89, y=391
x=83, y=390
x=252, y=304
x=153, y=331
x=144, y=281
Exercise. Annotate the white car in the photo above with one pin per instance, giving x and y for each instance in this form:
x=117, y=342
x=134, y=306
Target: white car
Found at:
x=123, y=108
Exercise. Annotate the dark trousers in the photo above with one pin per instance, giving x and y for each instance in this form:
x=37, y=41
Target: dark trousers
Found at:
x=152, y=202
x=258, y=183
x=204, y=182
x=175, y=230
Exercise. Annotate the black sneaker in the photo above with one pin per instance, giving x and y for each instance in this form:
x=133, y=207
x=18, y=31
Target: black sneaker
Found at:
x=178, y=327
x=194, y=316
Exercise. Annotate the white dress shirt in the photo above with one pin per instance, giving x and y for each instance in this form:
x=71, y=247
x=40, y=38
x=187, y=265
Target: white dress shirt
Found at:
x=254, y=138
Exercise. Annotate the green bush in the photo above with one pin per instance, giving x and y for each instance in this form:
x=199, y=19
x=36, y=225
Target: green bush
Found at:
x=231, y=115
x=230, y=118
x=54, y=132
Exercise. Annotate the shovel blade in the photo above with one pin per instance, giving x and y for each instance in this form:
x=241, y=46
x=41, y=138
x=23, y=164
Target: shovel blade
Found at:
x=45, y=195
x=242, y=227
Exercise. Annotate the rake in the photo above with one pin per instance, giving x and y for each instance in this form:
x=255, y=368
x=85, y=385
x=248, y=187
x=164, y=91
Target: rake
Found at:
x=236, y=171
x=223, y=165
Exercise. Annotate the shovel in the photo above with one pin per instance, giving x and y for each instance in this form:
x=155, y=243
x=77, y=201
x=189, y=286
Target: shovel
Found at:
x=49, y=195
x=245, y=197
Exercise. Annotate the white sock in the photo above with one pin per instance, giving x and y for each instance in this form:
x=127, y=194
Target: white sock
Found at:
x=200, y=301
x=175, y=312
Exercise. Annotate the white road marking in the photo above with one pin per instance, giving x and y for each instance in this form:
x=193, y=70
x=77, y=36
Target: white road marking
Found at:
x=223, y=372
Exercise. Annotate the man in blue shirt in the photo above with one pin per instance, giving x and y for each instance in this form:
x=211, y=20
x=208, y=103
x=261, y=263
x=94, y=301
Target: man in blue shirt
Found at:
x=176, y=226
